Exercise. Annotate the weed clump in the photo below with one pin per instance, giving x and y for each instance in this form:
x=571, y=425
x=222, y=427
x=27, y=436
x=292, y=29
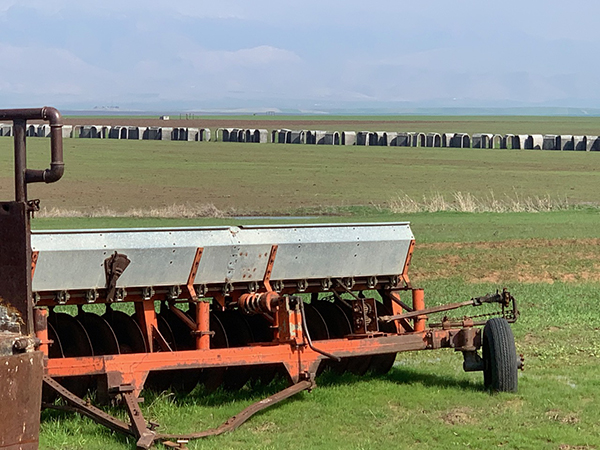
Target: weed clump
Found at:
x=467, y=202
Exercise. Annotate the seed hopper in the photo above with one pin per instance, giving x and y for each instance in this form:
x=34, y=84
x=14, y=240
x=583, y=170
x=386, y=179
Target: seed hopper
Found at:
x=117, y=311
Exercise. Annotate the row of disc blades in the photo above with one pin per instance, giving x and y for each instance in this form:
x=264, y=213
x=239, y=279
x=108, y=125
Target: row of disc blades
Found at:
x=115, y=332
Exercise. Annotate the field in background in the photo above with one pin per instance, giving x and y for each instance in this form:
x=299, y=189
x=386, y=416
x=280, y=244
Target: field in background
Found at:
x=440, y=124
x=549, y=260
x=258, y=179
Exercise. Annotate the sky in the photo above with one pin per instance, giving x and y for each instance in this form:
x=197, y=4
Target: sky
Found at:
x=309, y=55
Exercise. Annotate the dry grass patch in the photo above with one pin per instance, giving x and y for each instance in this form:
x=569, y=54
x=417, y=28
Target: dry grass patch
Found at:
x=557, y=415
x=576, y=447
x=459, y=416
x=187, y=211
x=467, y=202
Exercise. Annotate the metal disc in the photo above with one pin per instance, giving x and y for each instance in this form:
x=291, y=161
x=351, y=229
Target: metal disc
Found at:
x=261, y=332
x=102, y=337
x=74, y=342
x=260, y=327
x=213, y=378
x=381, y=364
x=179, y=331
x=54, y=351
x=185, y=380
x=162, y=380
x=238, y=334
x=128, y=332
x=358, y=365
x=166, y=331
x=317, y=328
x=338, y=327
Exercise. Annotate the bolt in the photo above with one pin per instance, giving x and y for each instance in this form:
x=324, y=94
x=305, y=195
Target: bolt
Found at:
x=20, y=345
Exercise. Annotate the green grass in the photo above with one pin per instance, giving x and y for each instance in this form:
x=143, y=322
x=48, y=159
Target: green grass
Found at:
x=427, y=227
x=548, y=260
x=426, y=399
x=276, y=179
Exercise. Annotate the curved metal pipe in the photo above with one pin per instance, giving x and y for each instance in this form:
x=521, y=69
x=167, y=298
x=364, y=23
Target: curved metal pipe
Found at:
x=57, y=166
x=51, y=115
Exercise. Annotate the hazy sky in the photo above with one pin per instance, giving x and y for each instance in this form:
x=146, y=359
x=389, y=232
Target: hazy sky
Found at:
x=307, y=54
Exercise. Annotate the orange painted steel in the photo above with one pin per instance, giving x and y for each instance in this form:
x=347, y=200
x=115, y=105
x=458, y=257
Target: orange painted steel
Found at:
x=397, y=309
x=34, y=259
x=269, y=269
x=259, y=302
x=146, y=316
x=42, y=332
x=299, y=359
x=404, y=274
x=190, y=282
x=290, y=348
x=202, y=330
x=418, y=298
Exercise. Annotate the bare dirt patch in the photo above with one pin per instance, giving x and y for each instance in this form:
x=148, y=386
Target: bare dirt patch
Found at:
x=520, y=260
x=265, y=427
x=459, y=416
x=557, y=415
x=576, y=447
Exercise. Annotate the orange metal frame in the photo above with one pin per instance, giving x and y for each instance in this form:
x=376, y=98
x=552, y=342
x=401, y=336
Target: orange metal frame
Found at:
x=289, y=346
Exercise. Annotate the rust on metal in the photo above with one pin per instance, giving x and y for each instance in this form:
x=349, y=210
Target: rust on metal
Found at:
x=237, y=420
x=114, y=266
x=85, y=408
x=146, y=316
x=41, y=329
x=269, y=270
x=23, y=175
x=20, y=398
x=194, y=270
x=364, y=316
x=15, y=262
x=202, y=330
x=418, y=298
x=404, y=274
x=34, y=260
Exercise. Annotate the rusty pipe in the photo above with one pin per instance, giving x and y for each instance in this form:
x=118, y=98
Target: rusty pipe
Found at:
x=51, y=115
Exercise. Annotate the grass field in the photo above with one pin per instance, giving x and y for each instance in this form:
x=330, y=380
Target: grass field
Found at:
x=296, y=179
x=550, y=261
x=440, y=124
x=426, y=398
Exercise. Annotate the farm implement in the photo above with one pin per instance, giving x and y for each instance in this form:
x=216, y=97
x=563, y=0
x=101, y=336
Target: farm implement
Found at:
x=117, y=311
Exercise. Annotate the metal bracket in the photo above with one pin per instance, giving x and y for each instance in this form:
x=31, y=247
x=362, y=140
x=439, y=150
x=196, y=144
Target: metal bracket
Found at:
x=364, y=315
x=114, y=266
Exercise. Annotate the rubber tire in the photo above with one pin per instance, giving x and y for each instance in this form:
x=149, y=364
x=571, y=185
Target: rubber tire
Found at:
x=500, y=364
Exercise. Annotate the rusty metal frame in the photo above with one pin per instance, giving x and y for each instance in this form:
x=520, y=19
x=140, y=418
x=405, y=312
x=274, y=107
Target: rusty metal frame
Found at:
x=20, y=402
x=194, y=270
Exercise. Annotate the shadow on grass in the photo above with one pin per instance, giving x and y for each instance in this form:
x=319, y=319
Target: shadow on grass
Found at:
x=253, y=392
x=257, y=391
x=403, y=376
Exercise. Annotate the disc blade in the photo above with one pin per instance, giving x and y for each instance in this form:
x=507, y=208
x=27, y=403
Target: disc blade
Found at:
x=127, y=331
x=102, y=337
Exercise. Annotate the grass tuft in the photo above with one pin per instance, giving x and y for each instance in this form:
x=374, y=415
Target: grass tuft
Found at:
x=167, y=212
x=467, y=202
